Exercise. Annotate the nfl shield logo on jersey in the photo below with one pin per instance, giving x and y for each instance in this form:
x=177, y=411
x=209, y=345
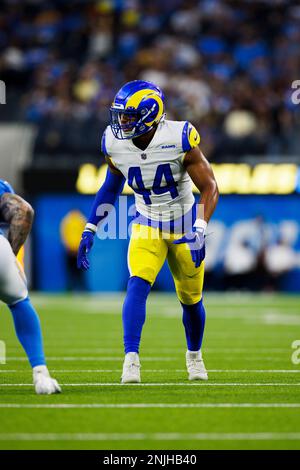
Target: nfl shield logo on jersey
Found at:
x=143, y=156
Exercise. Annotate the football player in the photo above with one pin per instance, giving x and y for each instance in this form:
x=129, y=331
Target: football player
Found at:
x=16, y=217
x=159, y=159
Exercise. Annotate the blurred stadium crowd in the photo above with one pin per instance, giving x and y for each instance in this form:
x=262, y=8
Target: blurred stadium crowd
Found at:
x=227, y=66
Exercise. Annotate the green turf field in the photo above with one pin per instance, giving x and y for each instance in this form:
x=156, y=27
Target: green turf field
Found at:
x=252, y=398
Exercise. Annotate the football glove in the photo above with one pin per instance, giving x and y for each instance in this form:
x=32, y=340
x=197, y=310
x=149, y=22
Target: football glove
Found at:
x=86, y=244
x=196, y=241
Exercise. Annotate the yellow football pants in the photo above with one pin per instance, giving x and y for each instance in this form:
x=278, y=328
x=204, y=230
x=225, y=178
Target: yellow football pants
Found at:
x=148, y=249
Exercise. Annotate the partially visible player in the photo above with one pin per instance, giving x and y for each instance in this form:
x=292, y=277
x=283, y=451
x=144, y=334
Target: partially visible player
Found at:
x=159, y=158
x=16, y=217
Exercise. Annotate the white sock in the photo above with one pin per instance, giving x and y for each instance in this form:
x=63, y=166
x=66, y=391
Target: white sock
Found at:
x=194, y=354
x=41, y=370
x=132, y=357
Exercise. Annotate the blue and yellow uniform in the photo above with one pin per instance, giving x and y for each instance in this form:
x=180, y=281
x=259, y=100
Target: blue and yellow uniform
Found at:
x=165, y=206
x=164, y=202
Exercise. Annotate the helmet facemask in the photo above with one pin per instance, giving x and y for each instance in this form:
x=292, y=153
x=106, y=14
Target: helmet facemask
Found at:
x=123, y=123
x=130, y=123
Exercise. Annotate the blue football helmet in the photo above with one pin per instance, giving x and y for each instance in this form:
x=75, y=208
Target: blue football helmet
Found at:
x=137, y=108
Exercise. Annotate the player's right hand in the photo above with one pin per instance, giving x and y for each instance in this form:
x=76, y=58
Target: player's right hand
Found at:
x=85, y=247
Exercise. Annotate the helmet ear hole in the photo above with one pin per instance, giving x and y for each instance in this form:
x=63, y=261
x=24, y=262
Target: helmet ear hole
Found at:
x=155, y=109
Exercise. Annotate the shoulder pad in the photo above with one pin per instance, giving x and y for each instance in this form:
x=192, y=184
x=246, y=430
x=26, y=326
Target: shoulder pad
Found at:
x=190, y=137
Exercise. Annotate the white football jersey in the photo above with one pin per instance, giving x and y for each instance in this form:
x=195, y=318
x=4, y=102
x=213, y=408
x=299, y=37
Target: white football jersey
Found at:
x=162, y=186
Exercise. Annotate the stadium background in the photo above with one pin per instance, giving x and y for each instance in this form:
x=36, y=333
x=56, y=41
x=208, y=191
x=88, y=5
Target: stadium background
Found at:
x=227, y=66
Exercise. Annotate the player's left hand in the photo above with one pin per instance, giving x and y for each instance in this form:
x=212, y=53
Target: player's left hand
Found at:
x=196, y=241
x=85, y=247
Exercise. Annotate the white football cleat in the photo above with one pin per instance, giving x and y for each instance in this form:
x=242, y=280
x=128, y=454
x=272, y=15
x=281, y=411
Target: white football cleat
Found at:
x=43, y=383
x=131, y=369
x=195, y=366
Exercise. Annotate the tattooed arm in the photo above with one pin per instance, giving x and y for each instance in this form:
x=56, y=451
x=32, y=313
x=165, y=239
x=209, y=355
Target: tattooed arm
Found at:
x=18, y=214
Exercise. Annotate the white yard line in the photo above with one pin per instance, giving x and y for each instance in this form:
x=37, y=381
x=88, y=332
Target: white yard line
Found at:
x=174, y=358
x=271, y=436
x=175, y=351
x=96, y=371
x=258, y=371
x=146, y=405
x=166, y=384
